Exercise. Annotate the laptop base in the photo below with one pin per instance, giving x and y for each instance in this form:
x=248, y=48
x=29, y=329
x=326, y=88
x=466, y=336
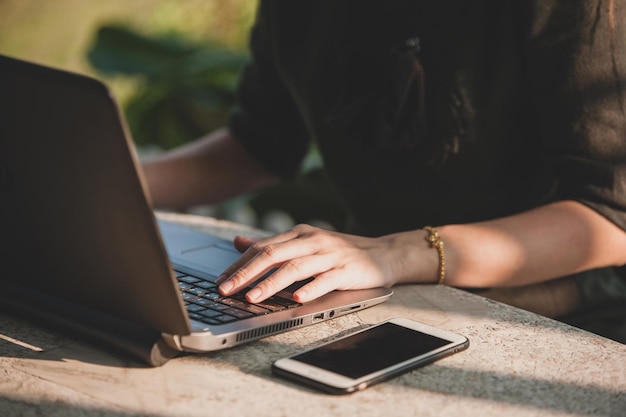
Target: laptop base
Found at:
x=140, y=343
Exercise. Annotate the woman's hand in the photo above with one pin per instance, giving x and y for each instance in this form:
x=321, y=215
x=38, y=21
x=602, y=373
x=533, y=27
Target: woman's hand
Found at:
x=336, y=261
x=550, y=241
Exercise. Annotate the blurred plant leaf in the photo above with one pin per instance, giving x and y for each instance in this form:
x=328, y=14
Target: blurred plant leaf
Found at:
x=187, y=88
x=120, y=50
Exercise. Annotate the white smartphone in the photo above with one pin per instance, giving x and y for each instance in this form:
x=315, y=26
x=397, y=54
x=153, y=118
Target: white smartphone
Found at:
x=377, y=353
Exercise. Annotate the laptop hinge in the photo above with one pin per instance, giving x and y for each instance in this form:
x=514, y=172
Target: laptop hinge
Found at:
x=172, y=341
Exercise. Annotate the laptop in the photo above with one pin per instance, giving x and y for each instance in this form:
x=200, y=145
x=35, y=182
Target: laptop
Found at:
x=81, y=245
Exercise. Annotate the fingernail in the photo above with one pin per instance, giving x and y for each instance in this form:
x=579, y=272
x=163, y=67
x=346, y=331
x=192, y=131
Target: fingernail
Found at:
x=227, y=286
x=300, y=295
x=253, y=294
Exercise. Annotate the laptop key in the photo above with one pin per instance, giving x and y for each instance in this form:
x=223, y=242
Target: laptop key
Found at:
x=210, y=313
x=209, y=320
x=254, y=309
x=195, y=308
x=189, y=296
x=207, y=285
x=210, y=304
x=212, y=296
x=189, y=279
x=283, y=301
x=271, y=306
x=196, y=316
x=244, y=305
x=240, y=314
x=224, y=318
x=197, y=291
x=231, y=301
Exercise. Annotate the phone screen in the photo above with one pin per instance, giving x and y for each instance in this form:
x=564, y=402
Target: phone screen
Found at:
x=372, y=350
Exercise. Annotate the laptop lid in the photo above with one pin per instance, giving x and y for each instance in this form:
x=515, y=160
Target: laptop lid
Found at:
x=74, y=219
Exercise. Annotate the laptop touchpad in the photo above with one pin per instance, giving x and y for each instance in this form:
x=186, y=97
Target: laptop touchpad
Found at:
x=209, y=258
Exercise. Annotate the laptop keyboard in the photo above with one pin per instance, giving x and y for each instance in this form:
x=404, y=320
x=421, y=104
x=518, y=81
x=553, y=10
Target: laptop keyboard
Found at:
x=205, y=304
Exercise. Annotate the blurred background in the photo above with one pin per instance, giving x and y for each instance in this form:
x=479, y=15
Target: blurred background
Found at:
x=173, y=66
x=61, y=32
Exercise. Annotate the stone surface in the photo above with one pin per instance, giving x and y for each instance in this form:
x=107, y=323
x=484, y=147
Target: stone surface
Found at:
x=518, y=364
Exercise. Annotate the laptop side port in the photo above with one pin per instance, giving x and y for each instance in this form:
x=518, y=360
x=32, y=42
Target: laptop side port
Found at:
x=318, y=317
x=344, y=310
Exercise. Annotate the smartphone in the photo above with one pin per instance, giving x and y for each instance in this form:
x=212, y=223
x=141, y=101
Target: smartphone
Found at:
x=366, y=357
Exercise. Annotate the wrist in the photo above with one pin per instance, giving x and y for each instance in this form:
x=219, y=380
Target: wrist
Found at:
x=413, y=260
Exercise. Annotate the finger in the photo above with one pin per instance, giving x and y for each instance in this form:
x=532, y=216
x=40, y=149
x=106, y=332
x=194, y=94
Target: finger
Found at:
x=259, y=264
x=241, y=261
x=291, y=271
x=321, y=285
x=267, y=254
x=242, y=243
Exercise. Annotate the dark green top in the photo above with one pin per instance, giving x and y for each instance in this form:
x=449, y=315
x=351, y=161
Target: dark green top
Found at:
x=438, y=112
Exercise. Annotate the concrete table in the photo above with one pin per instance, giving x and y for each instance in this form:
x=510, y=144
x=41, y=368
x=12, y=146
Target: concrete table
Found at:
x=518, y=364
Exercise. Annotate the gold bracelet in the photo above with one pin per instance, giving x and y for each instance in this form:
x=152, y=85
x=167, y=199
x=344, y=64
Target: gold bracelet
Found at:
x=435, y=242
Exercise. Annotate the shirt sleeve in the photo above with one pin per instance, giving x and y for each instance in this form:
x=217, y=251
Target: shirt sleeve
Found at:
x=576, y=57
x=266, y=120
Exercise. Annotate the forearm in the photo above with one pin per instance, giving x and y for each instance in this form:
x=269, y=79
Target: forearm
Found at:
x=545, y=243
x=209, y=170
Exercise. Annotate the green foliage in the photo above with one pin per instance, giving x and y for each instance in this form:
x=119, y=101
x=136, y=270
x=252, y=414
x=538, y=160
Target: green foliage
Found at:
x=186, y=89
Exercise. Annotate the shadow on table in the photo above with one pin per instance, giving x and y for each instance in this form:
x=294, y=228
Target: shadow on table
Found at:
x=25, y=340
x=27, y=407
x=579, y=399
x=607, y=320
